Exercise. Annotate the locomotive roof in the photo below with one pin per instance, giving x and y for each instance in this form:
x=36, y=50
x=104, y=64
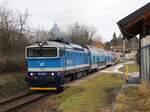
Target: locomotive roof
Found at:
x=61, y=45
x=51, y=44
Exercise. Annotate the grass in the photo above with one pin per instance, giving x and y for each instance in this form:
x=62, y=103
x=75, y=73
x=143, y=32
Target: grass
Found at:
x=134, y=99
x=131, y=68
x=11, y=83
x=95, y=95
x=118, y=61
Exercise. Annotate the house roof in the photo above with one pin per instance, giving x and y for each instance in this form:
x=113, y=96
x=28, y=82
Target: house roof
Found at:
x=132, y=24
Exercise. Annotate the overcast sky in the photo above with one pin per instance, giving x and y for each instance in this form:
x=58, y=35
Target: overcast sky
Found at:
x=102, y=14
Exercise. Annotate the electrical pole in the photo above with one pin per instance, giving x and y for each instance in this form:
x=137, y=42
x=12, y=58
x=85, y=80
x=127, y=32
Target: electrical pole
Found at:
x=124, y=58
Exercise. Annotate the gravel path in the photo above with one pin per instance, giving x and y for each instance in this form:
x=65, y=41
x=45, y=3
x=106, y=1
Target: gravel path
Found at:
x=113, y=69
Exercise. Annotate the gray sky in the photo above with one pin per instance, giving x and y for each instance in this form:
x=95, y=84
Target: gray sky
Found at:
x=102, y=14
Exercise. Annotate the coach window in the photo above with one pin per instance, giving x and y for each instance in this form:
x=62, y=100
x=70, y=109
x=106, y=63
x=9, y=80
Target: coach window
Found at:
x=93, y=58
x=98, y=59
x=71, y=53
x=67, y=53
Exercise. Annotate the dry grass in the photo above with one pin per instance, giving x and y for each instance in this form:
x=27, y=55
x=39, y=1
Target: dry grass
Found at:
x=12, y=64
x=134, y=99
x=131, y=68
x=12, y=83
x=96, y=95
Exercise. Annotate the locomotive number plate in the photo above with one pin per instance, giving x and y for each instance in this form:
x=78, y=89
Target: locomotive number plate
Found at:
x=42, y=73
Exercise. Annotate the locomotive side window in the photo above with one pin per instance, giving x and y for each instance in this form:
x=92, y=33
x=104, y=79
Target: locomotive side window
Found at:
x=61, y=52
x=49, y=52
x=43, y=52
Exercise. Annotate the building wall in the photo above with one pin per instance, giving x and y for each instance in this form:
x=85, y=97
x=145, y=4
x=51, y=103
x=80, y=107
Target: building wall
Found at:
x=145, y=58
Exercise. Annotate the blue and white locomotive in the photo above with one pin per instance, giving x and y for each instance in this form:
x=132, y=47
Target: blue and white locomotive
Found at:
x=50, y=62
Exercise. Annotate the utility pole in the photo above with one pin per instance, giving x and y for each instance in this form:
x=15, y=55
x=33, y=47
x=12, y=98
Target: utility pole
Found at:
x=124, y=47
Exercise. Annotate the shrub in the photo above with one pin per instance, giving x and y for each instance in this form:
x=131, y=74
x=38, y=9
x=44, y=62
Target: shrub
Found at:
x=12, y=64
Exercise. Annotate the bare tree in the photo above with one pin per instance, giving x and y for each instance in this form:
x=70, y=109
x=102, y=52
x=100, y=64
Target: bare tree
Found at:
x=41, y=34
x=13, y=30
x=82, y=34
x=14, y=35
x=22, y=28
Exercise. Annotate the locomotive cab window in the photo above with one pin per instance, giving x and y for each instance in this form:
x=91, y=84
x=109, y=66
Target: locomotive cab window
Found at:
x=42, y=52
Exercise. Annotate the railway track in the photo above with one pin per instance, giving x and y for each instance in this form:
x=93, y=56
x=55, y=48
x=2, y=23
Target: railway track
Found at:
x=19, y=101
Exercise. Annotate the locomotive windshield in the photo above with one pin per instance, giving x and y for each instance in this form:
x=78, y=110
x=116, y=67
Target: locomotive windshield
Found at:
x=42, y=52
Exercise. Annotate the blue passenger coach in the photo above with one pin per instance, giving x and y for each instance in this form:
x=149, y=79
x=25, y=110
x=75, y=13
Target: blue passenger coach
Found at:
x=110, y=57
x=98, y=58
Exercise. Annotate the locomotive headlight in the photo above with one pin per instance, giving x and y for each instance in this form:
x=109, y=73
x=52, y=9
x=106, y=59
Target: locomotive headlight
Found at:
x=40, y=43
x=52, y=74
x=31, y=74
